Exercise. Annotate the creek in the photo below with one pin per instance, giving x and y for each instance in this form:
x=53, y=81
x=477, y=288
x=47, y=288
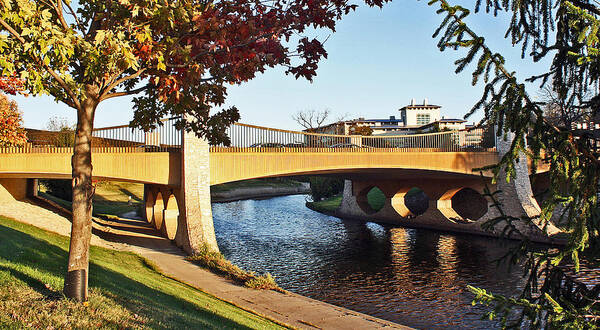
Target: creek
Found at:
x=414, y=277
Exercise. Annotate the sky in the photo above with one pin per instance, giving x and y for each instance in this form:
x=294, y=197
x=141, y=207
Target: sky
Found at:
x=379, y=59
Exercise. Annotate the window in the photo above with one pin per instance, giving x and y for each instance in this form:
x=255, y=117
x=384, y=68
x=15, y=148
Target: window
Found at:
x=422, y=118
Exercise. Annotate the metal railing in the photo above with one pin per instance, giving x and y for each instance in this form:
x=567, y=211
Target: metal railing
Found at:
x=165, y=137
x=251, y=138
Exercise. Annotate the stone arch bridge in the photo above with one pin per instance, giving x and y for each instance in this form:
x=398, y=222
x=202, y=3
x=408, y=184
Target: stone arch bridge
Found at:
x=177, y=169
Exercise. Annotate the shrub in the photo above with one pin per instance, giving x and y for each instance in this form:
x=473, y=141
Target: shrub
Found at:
x=217, y=263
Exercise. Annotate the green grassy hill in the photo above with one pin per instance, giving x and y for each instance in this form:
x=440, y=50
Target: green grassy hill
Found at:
x=126, y=291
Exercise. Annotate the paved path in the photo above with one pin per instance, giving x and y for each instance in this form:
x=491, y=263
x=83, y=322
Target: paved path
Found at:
x=138, y=237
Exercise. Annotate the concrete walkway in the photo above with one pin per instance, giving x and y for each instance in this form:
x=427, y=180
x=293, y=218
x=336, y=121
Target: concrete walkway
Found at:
x=139, y=237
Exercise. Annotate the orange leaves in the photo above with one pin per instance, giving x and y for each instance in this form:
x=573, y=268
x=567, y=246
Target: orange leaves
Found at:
x=11, y=85
x=12, y=132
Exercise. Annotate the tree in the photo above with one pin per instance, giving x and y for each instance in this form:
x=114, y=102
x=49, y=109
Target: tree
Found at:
x=565, y=111
x=567, y=31
x=311, y=119
x=360, y=130
x=11, y=85
x=325, y=187
x=177, y=57
x=12, y=132
x=65, y=133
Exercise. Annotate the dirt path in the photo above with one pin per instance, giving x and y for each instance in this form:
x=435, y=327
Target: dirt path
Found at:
x=138, y=237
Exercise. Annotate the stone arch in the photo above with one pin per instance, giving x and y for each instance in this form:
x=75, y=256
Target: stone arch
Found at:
x=170, y=217
x=463, y=205
x=409, y=202
x=363, y=201
x=150, y=202
x=157, y=212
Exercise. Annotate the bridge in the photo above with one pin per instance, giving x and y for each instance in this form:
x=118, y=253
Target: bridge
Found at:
x=177, y=170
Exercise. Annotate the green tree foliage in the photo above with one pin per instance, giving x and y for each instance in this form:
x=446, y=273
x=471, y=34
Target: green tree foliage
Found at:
x=355, y=129
x=323, y=187
x=567, y=31
x=177, y=57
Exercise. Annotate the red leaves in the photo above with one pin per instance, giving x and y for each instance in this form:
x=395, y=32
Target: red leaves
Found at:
x=197, y=51
x=11, y=85
x=233, y=40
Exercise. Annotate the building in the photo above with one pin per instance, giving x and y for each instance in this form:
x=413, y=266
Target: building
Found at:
x=444, y=125
x=413, y=118
x=417, y=115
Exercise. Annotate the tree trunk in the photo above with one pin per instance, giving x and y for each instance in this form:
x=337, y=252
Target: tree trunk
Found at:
x=76, y=279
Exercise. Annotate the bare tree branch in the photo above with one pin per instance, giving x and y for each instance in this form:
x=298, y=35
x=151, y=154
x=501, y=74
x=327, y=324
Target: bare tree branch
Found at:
x=117, y=82
x=311, y=119
x=124, y=93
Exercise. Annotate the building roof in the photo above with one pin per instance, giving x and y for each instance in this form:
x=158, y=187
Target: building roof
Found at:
x=388, y=126
x=398, y=120
x=421, y=106
x=450, y=120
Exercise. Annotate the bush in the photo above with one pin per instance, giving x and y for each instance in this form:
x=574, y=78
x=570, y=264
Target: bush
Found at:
x=217, y=263
x=325, y=187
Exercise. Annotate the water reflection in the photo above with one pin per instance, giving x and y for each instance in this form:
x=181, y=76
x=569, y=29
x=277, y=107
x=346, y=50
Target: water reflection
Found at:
x=414, y=277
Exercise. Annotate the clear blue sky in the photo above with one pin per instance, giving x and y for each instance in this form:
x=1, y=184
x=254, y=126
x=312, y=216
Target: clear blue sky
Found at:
x=378, y=60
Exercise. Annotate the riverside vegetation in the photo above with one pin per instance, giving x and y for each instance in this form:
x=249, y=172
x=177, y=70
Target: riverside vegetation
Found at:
x=127, y=291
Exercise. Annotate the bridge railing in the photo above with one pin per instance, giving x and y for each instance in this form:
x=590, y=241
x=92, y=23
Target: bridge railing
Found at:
x=165, y=137
x=115, y=139
x=251, y=138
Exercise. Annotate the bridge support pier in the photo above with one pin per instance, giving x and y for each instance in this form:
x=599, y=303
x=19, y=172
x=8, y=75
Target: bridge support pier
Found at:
x=183, y=213
x=451, y=204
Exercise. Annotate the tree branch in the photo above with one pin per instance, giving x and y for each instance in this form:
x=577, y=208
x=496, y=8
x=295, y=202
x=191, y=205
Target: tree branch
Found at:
x=72, y=12
x=131, y=92
x=117, y=82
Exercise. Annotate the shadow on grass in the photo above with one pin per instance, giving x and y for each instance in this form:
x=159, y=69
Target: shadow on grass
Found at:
x=129, y=193
x=164, y=310
x=35, y=284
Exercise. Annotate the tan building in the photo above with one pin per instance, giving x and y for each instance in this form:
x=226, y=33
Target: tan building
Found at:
x=413, y=118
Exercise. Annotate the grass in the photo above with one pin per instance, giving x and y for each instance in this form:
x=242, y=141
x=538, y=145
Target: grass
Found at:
x=254, y=183
x=328, y=205
x=110, y=198
x=217, y=263
x=126, y=291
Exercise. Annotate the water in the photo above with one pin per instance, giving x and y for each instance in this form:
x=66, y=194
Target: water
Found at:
x=411, y=276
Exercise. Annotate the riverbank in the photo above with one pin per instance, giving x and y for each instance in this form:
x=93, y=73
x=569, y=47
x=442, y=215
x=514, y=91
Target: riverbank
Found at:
x=258, y=188
x=326, y=206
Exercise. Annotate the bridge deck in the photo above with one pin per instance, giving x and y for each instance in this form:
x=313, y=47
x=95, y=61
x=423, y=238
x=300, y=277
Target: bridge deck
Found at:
x=145, y=167
x=226, y=166
x=234, y=166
